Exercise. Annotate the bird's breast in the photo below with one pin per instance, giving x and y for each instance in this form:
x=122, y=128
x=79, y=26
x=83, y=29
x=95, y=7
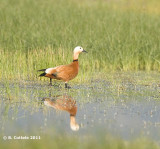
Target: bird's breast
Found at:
x=74, y=70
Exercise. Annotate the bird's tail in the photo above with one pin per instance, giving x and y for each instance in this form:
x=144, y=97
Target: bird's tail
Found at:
x=42, y=74
x=41, y=70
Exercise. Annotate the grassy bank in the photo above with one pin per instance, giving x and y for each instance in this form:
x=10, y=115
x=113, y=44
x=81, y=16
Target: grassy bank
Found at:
x=119, y=35
x=73, y=142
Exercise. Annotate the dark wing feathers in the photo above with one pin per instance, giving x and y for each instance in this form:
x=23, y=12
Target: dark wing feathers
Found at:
x=42, y=74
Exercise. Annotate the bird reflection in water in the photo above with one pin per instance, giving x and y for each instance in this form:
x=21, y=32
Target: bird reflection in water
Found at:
x=65, y=103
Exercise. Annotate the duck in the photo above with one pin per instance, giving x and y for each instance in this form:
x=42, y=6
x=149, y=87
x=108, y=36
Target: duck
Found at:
x=64, y=103
x=64, y=73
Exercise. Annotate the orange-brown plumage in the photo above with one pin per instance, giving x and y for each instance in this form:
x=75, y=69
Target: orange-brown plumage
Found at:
x=64, y=72
x=65, y=103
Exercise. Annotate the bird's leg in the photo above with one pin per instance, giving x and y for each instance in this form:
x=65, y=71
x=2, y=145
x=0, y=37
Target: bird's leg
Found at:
x=50, y=84
x=66, y=85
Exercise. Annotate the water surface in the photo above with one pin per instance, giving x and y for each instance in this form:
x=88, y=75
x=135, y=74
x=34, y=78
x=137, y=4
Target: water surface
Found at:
x=124, y=109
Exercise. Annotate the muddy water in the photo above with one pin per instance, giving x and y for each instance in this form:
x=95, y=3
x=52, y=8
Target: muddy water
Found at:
x=127, y=110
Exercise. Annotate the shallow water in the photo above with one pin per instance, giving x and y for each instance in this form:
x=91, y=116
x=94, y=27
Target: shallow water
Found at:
x=125, y=109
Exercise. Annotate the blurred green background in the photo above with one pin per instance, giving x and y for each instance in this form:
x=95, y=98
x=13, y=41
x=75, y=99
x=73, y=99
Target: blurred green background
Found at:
x=119, y=35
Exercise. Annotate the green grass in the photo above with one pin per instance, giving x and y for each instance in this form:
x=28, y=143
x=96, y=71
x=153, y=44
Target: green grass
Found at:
x=118, y=35
x=60, y=142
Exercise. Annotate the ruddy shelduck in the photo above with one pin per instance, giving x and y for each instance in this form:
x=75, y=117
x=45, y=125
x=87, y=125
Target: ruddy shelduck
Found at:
x=64, y=72
x=65, y=103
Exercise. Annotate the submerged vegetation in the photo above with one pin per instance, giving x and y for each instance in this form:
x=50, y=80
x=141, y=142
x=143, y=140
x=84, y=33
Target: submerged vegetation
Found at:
x=120, y=99
x=60, y=142
x=119, y=35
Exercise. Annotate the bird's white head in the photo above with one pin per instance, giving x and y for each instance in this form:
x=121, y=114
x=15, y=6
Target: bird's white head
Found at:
x=79, y=49
x=74, y=127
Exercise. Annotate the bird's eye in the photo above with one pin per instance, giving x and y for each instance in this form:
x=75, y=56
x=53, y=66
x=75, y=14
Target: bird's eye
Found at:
x=80, y=48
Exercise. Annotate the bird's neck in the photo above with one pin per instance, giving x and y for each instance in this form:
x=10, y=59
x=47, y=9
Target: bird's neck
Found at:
x=72, y=120
x=75, y=56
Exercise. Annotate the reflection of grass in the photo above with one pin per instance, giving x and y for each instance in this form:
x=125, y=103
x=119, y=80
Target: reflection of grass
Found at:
x=113, y=88
x=119, y=35
x=8, y=94
x=60, y=142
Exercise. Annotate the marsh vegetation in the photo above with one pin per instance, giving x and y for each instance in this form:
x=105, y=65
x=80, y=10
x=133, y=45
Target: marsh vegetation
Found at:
x=116, y=91
x=39, y=34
